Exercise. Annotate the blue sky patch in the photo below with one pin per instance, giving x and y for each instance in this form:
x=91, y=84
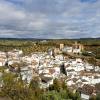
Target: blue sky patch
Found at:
x=89, y=1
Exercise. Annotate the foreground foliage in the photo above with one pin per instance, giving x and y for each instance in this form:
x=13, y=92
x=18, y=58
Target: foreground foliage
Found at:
x=16, y=89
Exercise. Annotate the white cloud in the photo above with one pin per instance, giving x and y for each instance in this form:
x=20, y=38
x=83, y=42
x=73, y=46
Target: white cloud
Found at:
x=49, y=18
x=14, y=21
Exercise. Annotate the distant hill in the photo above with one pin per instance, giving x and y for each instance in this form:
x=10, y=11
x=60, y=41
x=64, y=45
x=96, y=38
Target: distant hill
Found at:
x=36, y=39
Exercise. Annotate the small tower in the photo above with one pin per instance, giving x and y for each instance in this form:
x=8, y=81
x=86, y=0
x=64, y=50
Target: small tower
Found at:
x=81, y=47
x=76, y=45
x=61, y=46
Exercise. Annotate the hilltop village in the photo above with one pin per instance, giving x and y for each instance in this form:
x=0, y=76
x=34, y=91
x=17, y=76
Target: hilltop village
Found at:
x=78, y=74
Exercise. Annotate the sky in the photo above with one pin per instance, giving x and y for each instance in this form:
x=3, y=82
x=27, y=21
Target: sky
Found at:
x=49, y=19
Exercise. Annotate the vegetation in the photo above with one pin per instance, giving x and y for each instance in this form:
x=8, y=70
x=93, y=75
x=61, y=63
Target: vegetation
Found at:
x=29, y=46
x=15, y=89
x=95, y=97
x=25, y=45
x=92, y=45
